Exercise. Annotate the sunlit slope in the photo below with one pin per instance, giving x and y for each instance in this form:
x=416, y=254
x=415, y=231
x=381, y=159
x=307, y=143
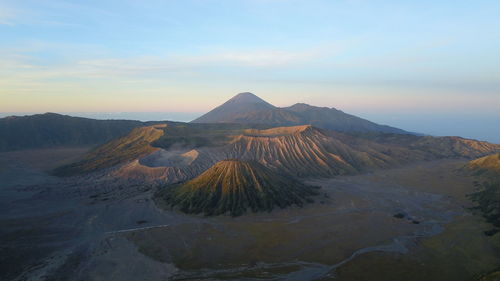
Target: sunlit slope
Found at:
x=305, y=151
x=440, y=147
x=234, y=186
x=487, y=166
x=121, y=150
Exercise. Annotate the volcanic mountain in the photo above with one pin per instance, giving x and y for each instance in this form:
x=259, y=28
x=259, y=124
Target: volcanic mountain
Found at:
x=128, y=148
x=241, y=103
x=247, y=108
x=177, y=152
x=305, y=151
x=234, y=186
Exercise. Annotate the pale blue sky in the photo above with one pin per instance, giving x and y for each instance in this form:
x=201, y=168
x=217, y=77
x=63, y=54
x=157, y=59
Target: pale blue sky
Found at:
x=397, y=62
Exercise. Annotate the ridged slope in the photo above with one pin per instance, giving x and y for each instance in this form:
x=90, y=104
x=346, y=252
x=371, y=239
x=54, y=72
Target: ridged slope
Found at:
x=125, y=149
x=233, y=186
x=454, y=147
x=304, y=151
x=437, y=147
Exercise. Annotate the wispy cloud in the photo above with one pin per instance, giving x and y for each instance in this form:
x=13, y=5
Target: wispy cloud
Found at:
x=23, y=65
x=7, y=15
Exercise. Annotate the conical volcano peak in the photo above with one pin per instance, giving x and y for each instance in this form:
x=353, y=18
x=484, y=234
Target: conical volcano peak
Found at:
x=234, y=186
x=247, y=108
x=247, y=97
x=242, y=103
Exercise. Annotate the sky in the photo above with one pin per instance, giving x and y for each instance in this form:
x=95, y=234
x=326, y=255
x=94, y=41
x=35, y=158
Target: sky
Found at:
x=426, y=66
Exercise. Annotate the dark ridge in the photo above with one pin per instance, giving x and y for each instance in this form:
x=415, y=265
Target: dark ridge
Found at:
x=51, y=130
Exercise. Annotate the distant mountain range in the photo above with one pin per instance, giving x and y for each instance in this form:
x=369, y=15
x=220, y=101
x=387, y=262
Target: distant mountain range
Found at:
x=244, y=110
x=51, y=130
x=247, y=108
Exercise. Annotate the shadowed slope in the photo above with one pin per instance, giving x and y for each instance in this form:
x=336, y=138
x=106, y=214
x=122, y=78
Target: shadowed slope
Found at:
x=128, y=148
x=51, y=130
x=334, y=119
x=242, y=102
x=246, y=108
x=233, y=186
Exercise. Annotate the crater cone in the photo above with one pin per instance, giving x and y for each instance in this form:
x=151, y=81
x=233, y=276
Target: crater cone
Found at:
x=235, y=186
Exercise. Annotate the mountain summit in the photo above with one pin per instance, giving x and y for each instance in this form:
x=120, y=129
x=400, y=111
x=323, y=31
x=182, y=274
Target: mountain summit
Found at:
x=241, y=103
x=248, y=98
x=247, y=108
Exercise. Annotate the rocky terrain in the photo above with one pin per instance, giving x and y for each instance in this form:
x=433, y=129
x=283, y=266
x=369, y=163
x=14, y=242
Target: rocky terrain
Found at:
x=303, y=151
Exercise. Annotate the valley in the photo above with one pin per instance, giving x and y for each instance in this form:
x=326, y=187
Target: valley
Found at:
x=120, y=234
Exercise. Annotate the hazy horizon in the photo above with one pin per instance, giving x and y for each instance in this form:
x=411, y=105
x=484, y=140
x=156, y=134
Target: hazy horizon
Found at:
x=405, y=64
x=435, y=125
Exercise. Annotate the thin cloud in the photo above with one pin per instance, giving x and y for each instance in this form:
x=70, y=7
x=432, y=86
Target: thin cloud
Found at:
x=7, y=15
x=25, y=66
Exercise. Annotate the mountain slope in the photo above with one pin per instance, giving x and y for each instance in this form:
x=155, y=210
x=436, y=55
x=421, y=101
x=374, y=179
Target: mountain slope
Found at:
x=333, y=119
x=488, y=166
x=247, y=108
x=242, y=102
x=233, y=186
x=304, y=151
x=50, y=130
x=439, y=147
x=133, y=146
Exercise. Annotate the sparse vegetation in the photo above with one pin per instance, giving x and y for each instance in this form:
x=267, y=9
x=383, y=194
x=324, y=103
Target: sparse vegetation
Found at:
x=399, y=215
x=488, y=200
x=487, y=167
x=233, y=187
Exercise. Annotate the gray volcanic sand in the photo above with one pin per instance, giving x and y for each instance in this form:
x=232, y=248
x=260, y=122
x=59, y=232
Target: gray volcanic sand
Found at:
x=355, y=218
x=76, y=229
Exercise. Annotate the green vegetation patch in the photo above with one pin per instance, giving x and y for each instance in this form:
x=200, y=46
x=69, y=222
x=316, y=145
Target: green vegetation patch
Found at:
x=488, y=200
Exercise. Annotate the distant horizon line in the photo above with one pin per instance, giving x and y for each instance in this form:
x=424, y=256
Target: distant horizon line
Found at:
x=435, y=124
